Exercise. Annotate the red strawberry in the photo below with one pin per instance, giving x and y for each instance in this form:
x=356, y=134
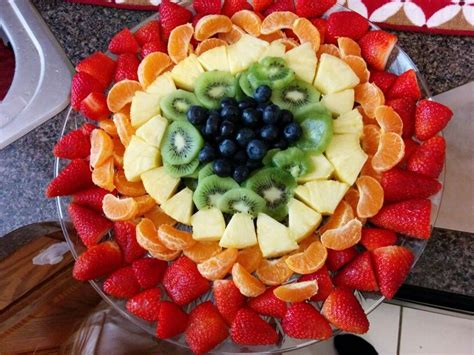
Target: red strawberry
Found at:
x=358, y=274
x=73, y=145
x=90, y=225
x=183, y=282
x=310, y=8
x=206, y=328
x=98, y=65
x=124, y=42
x=74, y=177
x=325, y=285
x=207, y=6
x=149, y=271
x=94, y=106
x=82, y=85
x=268, y=304
x=392, y=265
x=97, y=261
x=172, y=320
x=230, y=7
x=338, y=258
x=228, y=299
x=151, y=47
x=303, y=321
x=146, y=304
x=171, y=16
x=410, y=147
x=149, y=32
x=249, y=329
x=429, y=158
x=383, y=79
x=399, y=185
x=405, y=107
x=122, y=283
x=406, y=85
x=376, y=47
x=410, y=217
x=346, y=24
x=126, y=238
x=280, y=5
x=322, y=26
x=91, y=198
x=127, y=66
x=343, y=310
x=261, y=5
x=430, y=118
x=87, y=129
x=373, y=238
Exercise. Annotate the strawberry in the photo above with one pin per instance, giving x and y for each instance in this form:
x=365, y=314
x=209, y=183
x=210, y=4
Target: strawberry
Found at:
x=98, y=65
x=358, y=274
x=73, y=145
x=183, y=282
x=429, y=158
x=149, y=32
x=405, y=107
x=74, y=177
x=149, y=271
x=97, y=261
x=206, y=328
x=310, y=8
x=172, y=320
x=82, y=85
x=383, y=79
x=343, y=310
x=399, y=185
x=322, y=26
x=227, y=298
x=87, y=129
x=249, y=329
x=303, y=321
x=261, y=5
x=338, y=258
x=127, y=67
x=90, y=225
x=280, y=5
x=410, y=147
x=392, y=265
x=268, y=304
x=124, y=42
x=346, y=24
x=91, y=197
x=125, y=236
x=406, y=85
x=410, y=217
x=373, y=238
x=207, y=6
x=325, y=285
x=122, y=283
x=430, y=118
x=151, y=47
x=94, y=106
x=376, y=47
x=146, y=304
x=230, y=7
x=171, y=16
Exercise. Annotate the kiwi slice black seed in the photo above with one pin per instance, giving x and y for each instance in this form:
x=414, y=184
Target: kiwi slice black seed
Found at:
x=210, y=190
x=245, y=85
x=205, y=171
x=271, y=71
x=182, y=169
x=241, y=200
x=317, y=134
x=212, y=86
x=295, y=96
x=176, y=105
x=314, y=110
x=294, y=161
x=268, y=158
x=181, y=143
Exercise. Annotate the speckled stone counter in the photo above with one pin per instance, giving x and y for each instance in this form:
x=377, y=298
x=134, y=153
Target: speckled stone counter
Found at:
x=26, y=166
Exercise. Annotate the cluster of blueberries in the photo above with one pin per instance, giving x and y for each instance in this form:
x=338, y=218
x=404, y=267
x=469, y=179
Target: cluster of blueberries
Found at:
x=239, y=134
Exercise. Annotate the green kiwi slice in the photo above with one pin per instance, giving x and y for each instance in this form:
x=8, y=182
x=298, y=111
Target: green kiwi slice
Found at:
x=205, y=171
x=268, y=158
x=181, y=170
x=241, y=200
x=210, y=190
x=176, y=105
x=245, y=85
x=317, y=134
x=239, y=94
x=181, y=143
x=294, y=161
x=271, y=71
x=212, y=86
x=314, y=110
x=295, y=96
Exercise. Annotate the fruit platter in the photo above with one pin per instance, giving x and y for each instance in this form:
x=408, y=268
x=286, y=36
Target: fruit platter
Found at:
x=249, y=178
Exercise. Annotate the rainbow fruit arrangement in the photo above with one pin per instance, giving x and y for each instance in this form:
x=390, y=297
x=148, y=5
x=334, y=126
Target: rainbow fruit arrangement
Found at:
x=276, y=135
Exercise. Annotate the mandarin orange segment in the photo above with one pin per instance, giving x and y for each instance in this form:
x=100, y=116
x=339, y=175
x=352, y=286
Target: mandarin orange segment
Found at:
x=201, y=251
x=128, y=188
x=330, y=49
x=102, y=147
x=179, y=42
x=145, y=204
x=167, y=255
x=153, y=65
x=347, y=46
x=250, y=258
x=249, y=21
x=159, y=217
x=109, y=127
x=309, y=261
x=289, y=43
x=209, y=43
x=358, y=66
x=125, y=130
x=273, y=272
x=370, y=138
x=366, y=119
x=210, y=25
x=296, y=292
x=217, y=267
x=232, y=36
x=122, y=94
x=247, y=284
x=343, y=237
x=119, y=151
x=175, y=239
x=126, y=109
x=369, y=170
x=307, y=32
x=342, y=214
x=278, y=20
x=147, y=235
x=117, y=209
x=304, y=244
x=352, y=198
x=272, y=36
x=389, y=153
x=103, y=175
x=371, y=197
x=369, y=96
x=388, y=119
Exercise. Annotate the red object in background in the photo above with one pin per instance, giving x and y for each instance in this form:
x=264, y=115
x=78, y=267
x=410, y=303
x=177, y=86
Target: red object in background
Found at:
x=7, y=68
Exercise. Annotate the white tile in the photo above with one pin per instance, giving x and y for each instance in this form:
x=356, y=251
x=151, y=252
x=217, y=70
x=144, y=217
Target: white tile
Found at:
x=431, y=333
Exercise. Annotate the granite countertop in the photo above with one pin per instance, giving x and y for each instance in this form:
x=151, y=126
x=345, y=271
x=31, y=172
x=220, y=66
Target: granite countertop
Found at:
x=26, y=166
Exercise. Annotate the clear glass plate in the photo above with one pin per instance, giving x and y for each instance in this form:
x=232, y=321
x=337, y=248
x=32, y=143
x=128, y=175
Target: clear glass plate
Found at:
x=398, y=63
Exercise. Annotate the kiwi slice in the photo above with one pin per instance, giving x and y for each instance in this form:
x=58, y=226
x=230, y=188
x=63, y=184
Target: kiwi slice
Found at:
x=182, y=169
x=241, y=200
x=268, y=158
x=314, y=110
x=212, y=86
x=245, y=85
x=271, y=71
x=181, y=143
x=239, y=94
x=205, y=171
x=295, y=96
x=317, y=134
x=293, y=160
x=176, y=105
x=276, y=187
x=210, y=190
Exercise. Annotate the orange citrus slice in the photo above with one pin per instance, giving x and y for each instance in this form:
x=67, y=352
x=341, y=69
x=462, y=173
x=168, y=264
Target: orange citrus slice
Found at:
x=128, y=188
x=119, y=151
x=232, y=36
x=369, y=170
x=278, y=20
x=217, y=267
x=296, y=292
x=145, y=204
x=309, y=261
x=102, y=147
x=289, y=43
x=147, y=238
x=209, y=43
x=347, y=46
x=342, y=214
x=167, y=255
x=117, y=209
x=272, y=36
x=250, y=258
x=304, y=244
x=389, y=153
x=201, y=251
x=175, y=239
x=388, y=119
x=371, y=138
x=109, y=127
x=210, y=25
x=307, y=32
x=343, y=237
x=159, y=217
x=369, y=96
x=249, y=21
x=358, y=66
x=273, y=272
x=247, y=284
x=352, y=198
x=330, y=49
x=371, y=197
x=153, y=65
x=122, y=94
x=366, y=119
x=125, y=130
x=179, y=41
x=103, y=175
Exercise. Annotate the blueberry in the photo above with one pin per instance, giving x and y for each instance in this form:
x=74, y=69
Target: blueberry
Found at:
x=228, y=101
x=230, y=113
x=262, y=107
x=244, y=136
x=285, y=117
x=256, y=149
x=241, y=173
x=214, y=112
x=262, y=93
x=212, y=125
x=222, y=167
x=250, y=117
x=207, y=154
x=247, y=102
x=280, y=144
x=196, y=115
x=292, y=132
x=227, y=129
x=271, y=114
x=253, y=164
x=269, y=133
x=240, y=157
x=227, y=148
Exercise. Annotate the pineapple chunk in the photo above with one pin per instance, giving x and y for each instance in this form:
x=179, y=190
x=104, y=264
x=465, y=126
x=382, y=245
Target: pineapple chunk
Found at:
x=274, y=238
x=215, y=59
x=275, y=49
x=139, y=157
x=346, y=155
x=162, y=86
x=239, y=233
x=322, y=195
x=302, y=220
x=339, y=102
x=208, y=224
x=245, y=52
x=350, y=122
x=159, y=184
x=186, y=72
x=180, y=206
x=334, y=75
x=322, y=169
x=144, y=106
x=152, y=132
x=303, y=61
